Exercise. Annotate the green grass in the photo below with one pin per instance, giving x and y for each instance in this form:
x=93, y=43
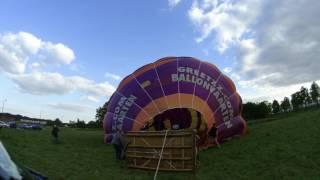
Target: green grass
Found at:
x=288, y=147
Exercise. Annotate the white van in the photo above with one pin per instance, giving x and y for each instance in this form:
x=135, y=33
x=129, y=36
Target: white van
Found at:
x=3, y=124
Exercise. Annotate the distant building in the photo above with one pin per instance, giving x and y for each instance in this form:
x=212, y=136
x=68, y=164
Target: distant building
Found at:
x=7, y=117
x=31, y=121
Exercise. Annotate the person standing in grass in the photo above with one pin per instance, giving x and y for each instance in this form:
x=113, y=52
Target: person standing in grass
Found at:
x=118, y=144
x=54, y=132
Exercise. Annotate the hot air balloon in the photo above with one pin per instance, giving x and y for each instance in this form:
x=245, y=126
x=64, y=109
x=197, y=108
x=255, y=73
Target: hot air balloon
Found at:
x=177, y=93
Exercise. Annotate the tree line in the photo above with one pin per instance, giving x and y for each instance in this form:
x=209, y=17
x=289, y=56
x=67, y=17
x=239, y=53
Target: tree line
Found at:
x=98, y=123
x=301, y=99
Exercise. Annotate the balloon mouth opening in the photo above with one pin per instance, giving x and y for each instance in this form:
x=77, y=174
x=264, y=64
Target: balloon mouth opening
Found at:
x=178, y=118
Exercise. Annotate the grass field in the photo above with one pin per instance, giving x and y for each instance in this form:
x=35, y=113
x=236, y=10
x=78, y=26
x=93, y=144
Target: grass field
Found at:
x=288, y=147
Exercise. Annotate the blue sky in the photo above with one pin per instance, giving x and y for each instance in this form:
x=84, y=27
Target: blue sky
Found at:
x=64, y=59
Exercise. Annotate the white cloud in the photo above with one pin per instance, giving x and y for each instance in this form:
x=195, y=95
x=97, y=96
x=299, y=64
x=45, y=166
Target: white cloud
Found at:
x=43, y=83
x=286, y=47
x=113, y=76
x=269, y=93
x=35, y=65
x=17, y=49
x=227, y=69
x=25, y=58
x=229, y=20
x=21, y=50
x=90, y=98
x=69, y=107
x=235, y=76
x=90, y=87
x=57, y=53
x=173, y=3
x=277, y=42
x=11, y=62
x=20, y=43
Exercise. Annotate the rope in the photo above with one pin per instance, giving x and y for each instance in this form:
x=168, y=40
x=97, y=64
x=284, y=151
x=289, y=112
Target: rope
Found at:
x=164, y=142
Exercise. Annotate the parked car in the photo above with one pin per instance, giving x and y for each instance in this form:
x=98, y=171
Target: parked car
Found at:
x=30, y=126
x=12, y=124
x=36, y=127
x=3, y=124
x=24, y=126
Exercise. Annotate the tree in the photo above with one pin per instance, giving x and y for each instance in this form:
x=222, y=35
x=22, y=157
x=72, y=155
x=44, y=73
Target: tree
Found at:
x=269, y=105
x=57, y=122
x=92, y=124
x=285, y=104
x=263, y=109
x=100, y=113
x=72, y=124
x=256, y=110
x=80, y=124
x=296, y=100
x=275, y=106
x=249, y=110
x=315, y=92
x=306, y=99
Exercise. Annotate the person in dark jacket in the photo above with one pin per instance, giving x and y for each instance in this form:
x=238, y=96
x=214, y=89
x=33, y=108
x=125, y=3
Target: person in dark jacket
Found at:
x=55, y=132
x=118, y=144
